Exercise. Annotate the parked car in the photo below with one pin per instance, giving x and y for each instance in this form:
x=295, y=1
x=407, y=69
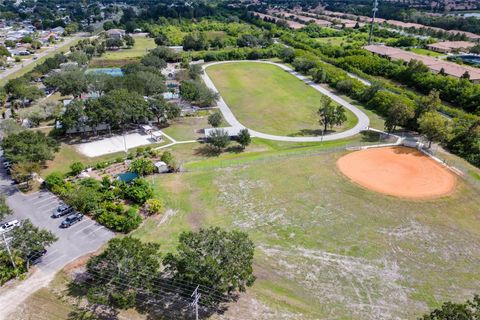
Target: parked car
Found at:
x=9, y=226
x=36, y=256
x=62, y=210
x=71, y=220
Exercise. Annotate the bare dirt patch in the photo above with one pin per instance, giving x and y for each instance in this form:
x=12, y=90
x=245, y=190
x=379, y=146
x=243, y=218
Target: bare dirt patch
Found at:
x=398, y=171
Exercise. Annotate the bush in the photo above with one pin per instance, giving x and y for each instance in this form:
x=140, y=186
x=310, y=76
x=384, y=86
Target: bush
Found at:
x=154, y=206
x=142, y=166
x=76, y=168
x=167, y=157
x=215, y=119
x=139, y=191
x=113, y=217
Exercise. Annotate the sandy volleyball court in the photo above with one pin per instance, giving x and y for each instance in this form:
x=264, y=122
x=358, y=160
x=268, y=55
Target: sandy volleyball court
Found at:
x=398, y=171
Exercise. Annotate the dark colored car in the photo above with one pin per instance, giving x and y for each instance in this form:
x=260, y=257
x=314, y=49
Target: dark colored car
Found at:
x=71, y=220
x=62, y=210
x=36, y=256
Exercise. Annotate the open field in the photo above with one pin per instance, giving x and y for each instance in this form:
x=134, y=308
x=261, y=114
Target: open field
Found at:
x=112, y=58
x=267, y=99
x=326, y=247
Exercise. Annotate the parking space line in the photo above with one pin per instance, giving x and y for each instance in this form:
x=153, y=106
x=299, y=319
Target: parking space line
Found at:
x=43, y=200
x=90, y=225
x=75, y=226
x=40, y=195
x=50, y=204
x=90, y=233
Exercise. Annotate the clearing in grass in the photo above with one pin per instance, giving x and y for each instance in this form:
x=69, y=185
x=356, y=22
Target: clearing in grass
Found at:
x=268, y=99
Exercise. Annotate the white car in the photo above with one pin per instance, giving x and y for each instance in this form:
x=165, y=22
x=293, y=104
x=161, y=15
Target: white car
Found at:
x=9, y=226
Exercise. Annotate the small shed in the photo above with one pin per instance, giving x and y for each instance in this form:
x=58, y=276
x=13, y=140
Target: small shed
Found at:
x=162, y=167
x=146, y=129
x=157, y=135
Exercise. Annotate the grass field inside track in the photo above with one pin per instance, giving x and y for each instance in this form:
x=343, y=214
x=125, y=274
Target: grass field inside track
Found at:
x=268, y=99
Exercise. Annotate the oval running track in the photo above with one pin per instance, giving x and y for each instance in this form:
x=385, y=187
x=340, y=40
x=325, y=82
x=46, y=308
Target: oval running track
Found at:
x=362, y=124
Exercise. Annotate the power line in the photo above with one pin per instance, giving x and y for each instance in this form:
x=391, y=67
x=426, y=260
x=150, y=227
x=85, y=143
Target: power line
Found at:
x=375, y=9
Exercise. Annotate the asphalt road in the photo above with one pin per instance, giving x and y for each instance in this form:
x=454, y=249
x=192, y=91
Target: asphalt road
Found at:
x=362, y=124
x=82, y=238
x=29, y=61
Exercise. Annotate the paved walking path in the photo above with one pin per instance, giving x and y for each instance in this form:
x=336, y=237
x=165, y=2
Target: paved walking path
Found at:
x=363, y=121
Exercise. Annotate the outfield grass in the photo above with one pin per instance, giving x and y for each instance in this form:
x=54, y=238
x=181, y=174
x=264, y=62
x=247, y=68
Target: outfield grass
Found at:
x=268, y=99
x=326, y=246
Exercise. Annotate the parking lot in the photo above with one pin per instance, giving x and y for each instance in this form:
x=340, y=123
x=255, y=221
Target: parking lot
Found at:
x=84, y=237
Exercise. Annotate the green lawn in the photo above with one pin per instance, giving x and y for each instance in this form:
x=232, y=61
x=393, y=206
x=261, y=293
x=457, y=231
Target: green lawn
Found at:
x=426, y=52
x=189, y=128
x=142, y=45
x=268, y=99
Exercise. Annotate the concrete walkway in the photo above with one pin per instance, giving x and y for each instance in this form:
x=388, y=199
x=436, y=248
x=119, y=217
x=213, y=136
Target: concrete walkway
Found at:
x=363, y=121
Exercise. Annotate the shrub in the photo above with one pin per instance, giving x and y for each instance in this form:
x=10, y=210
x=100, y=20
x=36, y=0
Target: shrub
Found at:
x=139, y=191
x=167, y=157
x=215, y=119
x=76, y=168
x=154, y=206
x=54, y=179
x=142, y=166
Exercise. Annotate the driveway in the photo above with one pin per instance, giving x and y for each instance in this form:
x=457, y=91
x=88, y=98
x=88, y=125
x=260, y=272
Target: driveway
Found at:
x=362, y=124
x=80, y=239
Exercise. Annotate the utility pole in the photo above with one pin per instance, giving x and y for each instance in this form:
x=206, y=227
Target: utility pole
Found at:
x=196, y=298
x=375, y=9
x=8, y=250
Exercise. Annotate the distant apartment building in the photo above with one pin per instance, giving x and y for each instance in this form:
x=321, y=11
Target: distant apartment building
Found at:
x=451, y=46
x=435, y=65
x=442, y=5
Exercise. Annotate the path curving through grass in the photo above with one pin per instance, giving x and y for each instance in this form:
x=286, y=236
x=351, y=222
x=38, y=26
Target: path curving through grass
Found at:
x=260, y=88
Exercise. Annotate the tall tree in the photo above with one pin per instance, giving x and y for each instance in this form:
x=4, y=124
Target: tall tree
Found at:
x=32, y=146
x=29, y=240
x=214, y=258
x=398, y=115
x=434, y=126
x=330, y=114
x=123, y=271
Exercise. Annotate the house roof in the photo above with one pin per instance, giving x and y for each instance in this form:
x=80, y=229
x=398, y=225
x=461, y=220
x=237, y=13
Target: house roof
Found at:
x=452, y=45
x=115, y=31
x=434, y=64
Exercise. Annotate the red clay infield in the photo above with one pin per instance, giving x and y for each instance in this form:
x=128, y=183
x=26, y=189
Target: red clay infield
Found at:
x=398, y=171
